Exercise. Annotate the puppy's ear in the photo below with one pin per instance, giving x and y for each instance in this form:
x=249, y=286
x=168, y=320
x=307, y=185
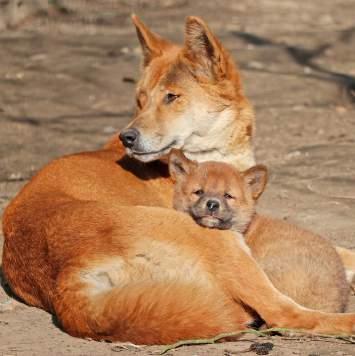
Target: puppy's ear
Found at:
x=179, y=165
x=204, y=49
x=256, y=177
x=152, y=44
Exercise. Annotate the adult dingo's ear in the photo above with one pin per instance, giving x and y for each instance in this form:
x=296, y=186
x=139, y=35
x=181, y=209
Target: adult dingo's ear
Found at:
x=152, y=44
x=179, y=165
x=203, y=47
x=256, y=177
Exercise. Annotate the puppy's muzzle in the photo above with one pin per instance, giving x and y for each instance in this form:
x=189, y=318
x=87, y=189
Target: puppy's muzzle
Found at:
x=129, y=137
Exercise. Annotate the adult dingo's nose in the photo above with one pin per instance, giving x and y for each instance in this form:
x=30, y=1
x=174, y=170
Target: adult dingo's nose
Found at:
x=129, y=137
x=212, y=205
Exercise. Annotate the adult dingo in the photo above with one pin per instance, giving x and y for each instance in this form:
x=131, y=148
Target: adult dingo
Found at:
x=93, y=238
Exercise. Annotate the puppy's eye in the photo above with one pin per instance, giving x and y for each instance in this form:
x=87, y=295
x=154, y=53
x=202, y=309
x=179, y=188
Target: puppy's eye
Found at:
x=198, y=192
x=170, y=97
x=228, y=196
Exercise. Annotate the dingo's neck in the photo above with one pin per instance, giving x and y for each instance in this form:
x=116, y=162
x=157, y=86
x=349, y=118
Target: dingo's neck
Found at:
x=226, y=141
x=241, y=159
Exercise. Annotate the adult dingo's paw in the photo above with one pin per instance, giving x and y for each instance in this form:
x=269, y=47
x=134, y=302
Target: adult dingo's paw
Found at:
x=337, y=324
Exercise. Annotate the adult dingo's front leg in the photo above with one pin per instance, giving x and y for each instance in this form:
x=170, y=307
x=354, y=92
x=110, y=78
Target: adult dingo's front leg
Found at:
x=247, y=282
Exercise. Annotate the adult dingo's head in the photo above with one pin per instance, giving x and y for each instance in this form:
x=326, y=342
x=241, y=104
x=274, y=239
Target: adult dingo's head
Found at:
x=189, y=97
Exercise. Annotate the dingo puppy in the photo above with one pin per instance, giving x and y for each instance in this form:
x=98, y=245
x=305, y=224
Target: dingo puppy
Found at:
x=217, y=195
x=92, y=237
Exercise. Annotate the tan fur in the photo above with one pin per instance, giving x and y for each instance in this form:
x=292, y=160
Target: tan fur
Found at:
x=92, y=237
x=300, y=264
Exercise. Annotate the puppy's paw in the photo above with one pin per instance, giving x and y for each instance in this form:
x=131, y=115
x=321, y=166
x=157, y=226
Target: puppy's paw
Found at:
x=350, y=277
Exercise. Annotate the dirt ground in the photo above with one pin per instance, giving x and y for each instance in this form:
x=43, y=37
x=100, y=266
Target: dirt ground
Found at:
x=67, y=84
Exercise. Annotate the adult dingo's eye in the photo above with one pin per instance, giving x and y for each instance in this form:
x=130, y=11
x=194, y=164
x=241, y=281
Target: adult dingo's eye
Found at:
x=139, y=103
x=141, y=99
x=170, y=97
x=198, y=192
x=228, y=196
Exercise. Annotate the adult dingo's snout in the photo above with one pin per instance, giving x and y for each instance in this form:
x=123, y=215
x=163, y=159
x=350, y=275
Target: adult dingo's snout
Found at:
x=129, y=137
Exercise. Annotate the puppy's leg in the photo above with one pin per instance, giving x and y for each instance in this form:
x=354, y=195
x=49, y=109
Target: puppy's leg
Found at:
x=348, y=258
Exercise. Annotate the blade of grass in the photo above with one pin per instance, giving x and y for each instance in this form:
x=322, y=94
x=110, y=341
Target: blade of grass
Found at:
x=266, y=332
x=219, y=337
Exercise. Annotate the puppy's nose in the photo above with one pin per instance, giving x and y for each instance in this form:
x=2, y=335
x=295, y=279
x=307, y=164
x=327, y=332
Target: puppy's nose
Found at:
x=129, y=137
x=212, y=205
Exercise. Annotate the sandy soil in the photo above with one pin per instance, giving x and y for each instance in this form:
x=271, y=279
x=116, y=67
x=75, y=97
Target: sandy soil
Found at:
x=67, y=83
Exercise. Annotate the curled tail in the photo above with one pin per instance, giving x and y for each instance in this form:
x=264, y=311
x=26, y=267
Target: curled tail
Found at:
x=144, y=313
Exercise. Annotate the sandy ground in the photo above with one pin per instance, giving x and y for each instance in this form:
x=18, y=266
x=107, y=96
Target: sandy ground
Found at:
x=67, y=84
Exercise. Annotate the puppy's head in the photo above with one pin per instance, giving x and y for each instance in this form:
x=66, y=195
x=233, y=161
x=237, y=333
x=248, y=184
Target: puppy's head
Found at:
x=215, y=194
x=186, y=95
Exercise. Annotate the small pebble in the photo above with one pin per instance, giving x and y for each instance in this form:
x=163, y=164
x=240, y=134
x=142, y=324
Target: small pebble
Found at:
x=261, y=348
